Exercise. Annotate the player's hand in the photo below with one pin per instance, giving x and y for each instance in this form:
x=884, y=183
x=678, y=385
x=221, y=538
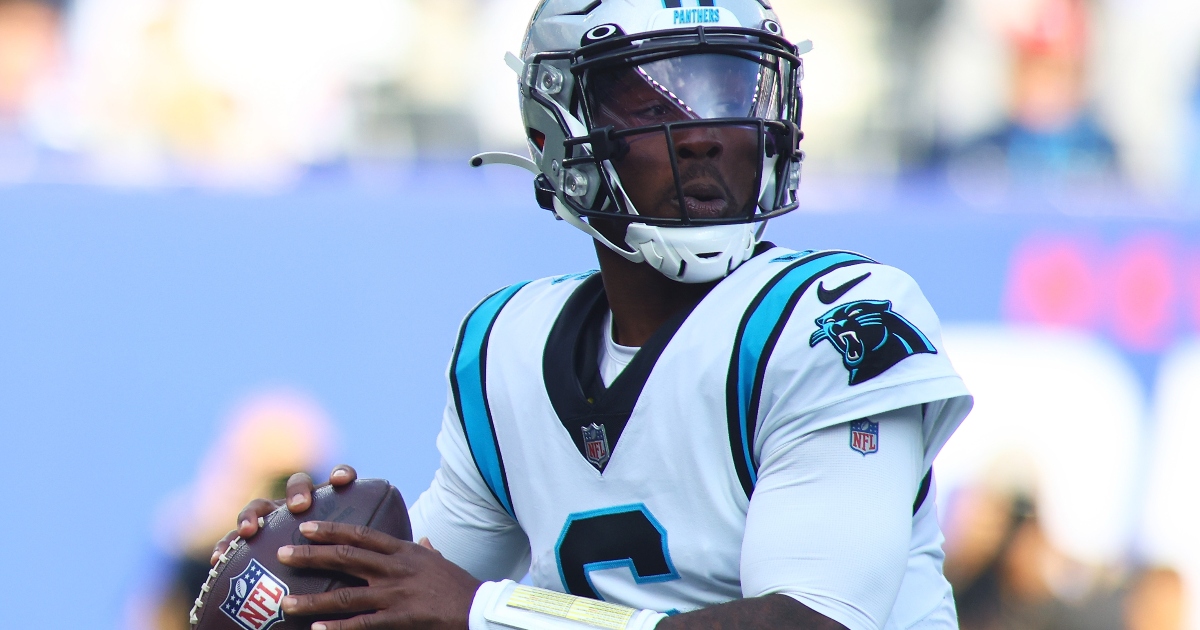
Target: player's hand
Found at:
x=409, y=585
x=299, y=498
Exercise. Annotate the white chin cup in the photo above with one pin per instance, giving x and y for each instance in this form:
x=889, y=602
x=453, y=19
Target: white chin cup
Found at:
x=693, y=254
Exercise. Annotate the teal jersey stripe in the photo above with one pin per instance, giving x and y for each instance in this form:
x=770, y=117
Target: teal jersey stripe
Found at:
x=760, y=330
x=468, y=375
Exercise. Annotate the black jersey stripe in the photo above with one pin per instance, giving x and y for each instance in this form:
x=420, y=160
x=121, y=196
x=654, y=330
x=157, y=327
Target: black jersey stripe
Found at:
x=468, y=382
x=756, y=338
x=923, y=491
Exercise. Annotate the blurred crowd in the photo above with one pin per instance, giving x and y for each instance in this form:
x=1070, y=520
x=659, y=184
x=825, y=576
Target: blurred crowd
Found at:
x=1008, y=575
x=982, y=97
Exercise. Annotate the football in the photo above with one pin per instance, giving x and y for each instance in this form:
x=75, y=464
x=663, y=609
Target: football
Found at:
x=244, y=590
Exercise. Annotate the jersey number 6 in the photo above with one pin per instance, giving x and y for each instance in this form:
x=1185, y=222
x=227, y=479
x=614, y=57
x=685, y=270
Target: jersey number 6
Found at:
x=623, y=536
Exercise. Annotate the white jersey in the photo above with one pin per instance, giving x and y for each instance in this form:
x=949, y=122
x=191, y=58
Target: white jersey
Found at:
x=644, y=492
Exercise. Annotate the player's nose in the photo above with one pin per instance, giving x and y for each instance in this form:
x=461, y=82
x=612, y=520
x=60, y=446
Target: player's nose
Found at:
x=698, y=143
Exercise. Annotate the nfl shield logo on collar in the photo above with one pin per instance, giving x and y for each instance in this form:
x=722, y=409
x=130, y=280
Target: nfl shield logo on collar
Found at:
x=254, y=596
x=595, y=445
x=864, y=436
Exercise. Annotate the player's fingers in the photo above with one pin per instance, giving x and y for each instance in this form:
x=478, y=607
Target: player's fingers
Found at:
x=377, y=621
x=342, y=474
x=345, y=558
x=339, y=600
x=359, y=536
x=221, y=546
x=299, y=492
x=247, y=520
x=424, y=542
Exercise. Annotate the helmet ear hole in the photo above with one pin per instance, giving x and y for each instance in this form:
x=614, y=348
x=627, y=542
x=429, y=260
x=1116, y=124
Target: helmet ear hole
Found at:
x=538, y=138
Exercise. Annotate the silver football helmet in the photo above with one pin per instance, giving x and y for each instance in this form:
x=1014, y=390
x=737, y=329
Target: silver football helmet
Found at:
x=613, y=92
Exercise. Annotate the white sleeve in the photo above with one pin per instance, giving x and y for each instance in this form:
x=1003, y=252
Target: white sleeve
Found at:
x=830, y=526
x=461, y=518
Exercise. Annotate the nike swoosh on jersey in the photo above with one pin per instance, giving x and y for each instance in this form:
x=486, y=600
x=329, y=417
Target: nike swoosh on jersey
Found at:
x=829, y=296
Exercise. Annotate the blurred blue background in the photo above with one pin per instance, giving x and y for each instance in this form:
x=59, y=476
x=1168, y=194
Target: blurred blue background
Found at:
x=233, y=249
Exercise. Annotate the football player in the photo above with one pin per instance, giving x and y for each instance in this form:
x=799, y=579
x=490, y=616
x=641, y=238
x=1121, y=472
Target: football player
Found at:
x=711, y=431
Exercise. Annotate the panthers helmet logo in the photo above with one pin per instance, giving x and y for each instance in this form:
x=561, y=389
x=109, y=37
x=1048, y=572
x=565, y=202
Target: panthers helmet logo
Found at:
x=871, y=337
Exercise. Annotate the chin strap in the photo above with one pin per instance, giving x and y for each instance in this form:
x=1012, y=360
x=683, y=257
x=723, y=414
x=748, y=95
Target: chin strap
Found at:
x=570, y=217
x=694, y=254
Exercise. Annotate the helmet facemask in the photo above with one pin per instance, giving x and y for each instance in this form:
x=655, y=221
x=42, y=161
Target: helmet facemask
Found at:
x=690, y=140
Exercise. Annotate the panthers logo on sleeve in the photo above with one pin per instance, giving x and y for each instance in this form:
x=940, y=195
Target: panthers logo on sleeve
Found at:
x=871, y=337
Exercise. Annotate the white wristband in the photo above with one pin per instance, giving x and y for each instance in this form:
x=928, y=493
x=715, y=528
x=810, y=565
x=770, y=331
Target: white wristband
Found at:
x=505, y=605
